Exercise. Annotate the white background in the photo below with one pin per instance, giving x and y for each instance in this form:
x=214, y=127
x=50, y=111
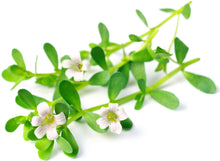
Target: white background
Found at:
x=192, y=132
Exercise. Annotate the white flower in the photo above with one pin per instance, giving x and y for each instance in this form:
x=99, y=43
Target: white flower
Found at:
x=47, y=122
x=75, y=67
x=111, y=116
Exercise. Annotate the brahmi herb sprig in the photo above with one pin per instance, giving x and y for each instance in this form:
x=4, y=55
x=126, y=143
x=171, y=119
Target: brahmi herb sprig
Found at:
x=48, y=121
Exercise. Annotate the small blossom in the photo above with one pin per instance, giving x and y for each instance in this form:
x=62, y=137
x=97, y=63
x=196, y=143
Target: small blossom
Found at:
x=47, y=122
x=111, y=116
x=75, y=67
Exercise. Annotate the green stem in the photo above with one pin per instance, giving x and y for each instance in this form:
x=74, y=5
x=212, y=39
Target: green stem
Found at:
x=177, y=25
x=149, y=39
x=132, y=96
x=126, y=59
x=177, y=12
x=47, y=74
x=171, y=74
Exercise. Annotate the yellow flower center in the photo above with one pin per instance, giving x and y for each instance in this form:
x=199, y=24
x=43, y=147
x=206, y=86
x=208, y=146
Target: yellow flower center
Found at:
x=111, y=116
x=48, y=119
x=77, y=67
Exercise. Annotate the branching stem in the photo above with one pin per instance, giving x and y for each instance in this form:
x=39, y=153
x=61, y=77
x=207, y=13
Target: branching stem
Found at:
x=132, y=96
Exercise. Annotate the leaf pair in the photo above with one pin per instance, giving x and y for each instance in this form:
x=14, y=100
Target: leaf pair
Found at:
x=186, y=11
x=162, y=56
x=28, y=101
x=17, y=73
x=13, y=123
x=45, y=148
x=66, y=142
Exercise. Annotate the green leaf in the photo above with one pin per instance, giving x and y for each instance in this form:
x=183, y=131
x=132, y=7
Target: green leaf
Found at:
x=138, y=70
x=165, y=98
x=186, y=11
x=92, y=45
x=13, y=123
x=126, y=124
x=31, y=135
x=66, y=134
x=202, y=83
x=100, y=78
x=116, y=83
x=125, y=71
x=56, y=94
x=49, y=80
x=140, y=101
x=27, y=99
x=142, y=85
x=21, y=103
x=61, y=107
x=180, y=50
x=141, y=56
x=98, y=56
x=11, y=76
x=51, y=54
x=43, y=144
x=135, y=38
x=18, y=58
x=38, y=99
x=70, y=95
x=103, y=31
x=27, y=128
x=64, y=144
x=45, y=155
x=84, y=54
x=142, y=17
x=91, y=119
x=161, y=53
x=168, y=10
x=109, y=63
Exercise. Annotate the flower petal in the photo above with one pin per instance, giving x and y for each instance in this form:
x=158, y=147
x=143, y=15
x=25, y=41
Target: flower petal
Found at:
x=43, y=109
x=69, y=73
x=86, y=65
x=76, y=59
x=52, y=133
x=36, y=121
x=78, y=76
x=60, y=119
x=67, y=63
x=113, y=107
x=115, y=127
x=121, y=114
x=102, y=122
x=40, y=131
x=103, y=111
